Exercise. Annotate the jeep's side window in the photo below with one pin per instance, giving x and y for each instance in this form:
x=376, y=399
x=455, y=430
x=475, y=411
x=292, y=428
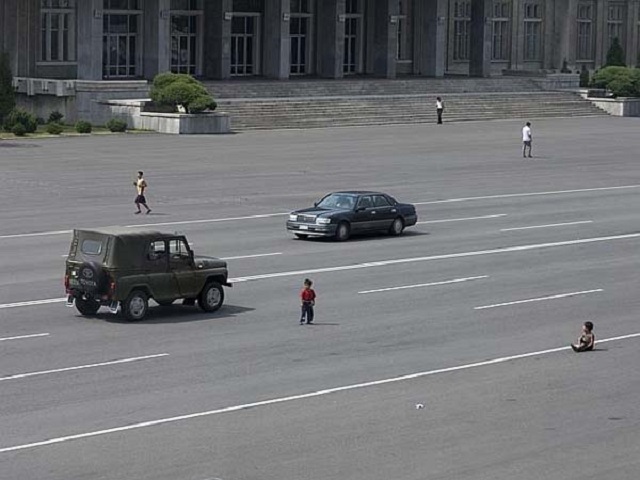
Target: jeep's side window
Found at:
x=157, y=250
x=91, y=247
x=178, y=249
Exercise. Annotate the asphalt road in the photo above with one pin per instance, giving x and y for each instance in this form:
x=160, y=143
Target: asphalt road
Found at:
x=515, y=254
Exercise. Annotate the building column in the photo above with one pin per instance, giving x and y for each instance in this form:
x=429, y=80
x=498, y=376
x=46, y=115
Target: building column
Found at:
x=481, y=38
x=549, y=25
x=601, y=28
x=385, y=37
x=157, y=38
x=331, y=38
x=217, y=39
x=430, y=38
x=633, y=16
x=277, y=41
x=90, y=31
x=566, y=36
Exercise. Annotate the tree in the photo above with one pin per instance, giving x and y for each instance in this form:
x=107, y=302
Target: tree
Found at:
x=7, y=93
x=173, y=89
x=615, y=55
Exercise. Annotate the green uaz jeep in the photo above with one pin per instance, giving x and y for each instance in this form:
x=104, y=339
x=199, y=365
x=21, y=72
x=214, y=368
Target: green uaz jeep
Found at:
x=122, y=269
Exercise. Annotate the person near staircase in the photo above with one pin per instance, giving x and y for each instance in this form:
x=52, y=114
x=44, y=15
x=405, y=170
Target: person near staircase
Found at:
x=439, y=109
x=527, y=138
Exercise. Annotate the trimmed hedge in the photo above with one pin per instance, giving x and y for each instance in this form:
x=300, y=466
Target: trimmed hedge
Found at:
x=620, y=81
x=116, y=125
x=55, y=117
x=54, y=128
x=173, y=89
x=18, y=130
x=84, y=127
x=26, y=119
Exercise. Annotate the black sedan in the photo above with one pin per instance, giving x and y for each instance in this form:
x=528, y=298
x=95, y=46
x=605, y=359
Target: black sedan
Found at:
x=342, y=214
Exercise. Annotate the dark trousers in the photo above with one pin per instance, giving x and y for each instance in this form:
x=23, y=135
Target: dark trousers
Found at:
x=307, y=312
x=440, y=110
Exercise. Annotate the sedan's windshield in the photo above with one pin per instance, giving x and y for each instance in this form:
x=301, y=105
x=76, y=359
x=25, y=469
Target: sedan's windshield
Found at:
x=338, y=200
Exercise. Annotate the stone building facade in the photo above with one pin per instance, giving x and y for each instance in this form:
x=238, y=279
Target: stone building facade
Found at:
x=96, y=40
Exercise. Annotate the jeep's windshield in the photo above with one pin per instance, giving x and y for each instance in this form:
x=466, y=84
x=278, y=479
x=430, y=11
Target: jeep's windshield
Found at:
x=338, y=200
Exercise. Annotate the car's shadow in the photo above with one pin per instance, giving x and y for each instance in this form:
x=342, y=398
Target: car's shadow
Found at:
x=365, y=237
x=178, y=314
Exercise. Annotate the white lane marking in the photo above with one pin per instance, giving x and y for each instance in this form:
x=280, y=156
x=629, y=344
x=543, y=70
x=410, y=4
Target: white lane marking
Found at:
x=540, y=299
x=32, y=302
x=209, y=220
x=433, y=284
x=304, y=396
x=81, y=367
x=445, y=220
x=530, y=194
x=257, y=255
x=382, y=263
x=546, y=226
x=20, y=337
x=38, y=234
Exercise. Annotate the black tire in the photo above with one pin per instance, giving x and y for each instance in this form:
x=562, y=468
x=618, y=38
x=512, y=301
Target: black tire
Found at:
x=343, y=231
x=91, y=277
x=165, y=303
x=301, y=236
x=87, y=307
x=211, y=297
x=136, y=306
x=397, y=227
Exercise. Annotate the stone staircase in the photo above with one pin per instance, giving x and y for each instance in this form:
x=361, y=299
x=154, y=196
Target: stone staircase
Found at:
x=357, y=102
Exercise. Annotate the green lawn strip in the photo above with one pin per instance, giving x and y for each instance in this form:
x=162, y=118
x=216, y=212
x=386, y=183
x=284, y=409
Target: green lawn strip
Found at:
x=68, y=131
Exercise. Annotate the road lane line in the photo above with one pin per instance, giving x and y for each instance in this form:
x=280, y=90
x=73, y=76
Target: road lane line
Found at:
x=463, y=219
x=32, y=302
x=81, y=367
x=38, y=234
x=433, y=284
x=20, y=337
x=530, y=194
x=540, y=299
x=257, y=255
x=304, y=396
x=209, y=220
x=546, y=226
x=383, y=263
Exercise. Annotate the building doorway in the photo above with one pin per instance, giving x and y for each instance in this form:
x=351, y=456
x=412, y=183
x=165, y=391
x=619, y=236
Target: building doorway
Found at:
x=301, y=33
x=352, y=61
x=186, y=36
x=245, y=44
x=121, y=40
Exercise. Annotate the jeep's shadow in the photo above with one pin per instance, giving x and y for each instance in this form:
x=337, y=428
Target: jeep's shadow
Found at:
x=178, y=314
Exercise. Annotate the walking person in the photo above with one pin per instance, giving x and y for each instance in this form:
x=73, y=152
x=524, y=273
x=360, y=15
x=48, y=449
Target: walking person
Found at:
x=527, y=139
x=141, y=186
x=439, y=109
x=308, y=301
x=587, y=339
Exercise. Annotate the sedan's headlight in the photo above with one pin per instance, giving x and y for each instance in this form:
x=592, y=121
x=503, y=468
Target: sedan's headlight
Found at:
x=323, y=221
x=293, y=217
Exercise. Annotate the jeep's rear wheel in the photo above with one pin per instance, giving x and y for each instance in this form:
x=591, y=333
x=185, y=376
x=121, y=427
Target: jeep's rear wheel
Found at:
x=87, y=306
x=211, y=297
x=136, y=305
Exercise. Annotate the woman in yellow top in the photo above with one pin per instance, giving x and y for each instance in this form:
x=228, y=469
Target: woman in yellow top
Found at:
x=141, y=185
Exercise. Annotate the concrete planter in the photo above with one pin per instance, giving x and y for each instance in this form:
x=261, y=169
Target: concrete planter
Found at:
x=132, y=111
x=618, y=107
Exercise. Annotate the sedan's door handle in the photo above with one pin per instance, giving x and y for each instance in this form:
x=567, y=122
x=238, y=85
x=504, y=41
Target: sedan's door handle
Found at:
x=393, y=210
x=373, y=212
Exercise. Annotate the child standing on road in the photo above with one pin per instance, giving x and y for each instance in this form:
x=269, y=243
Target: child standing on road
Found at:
x=308, y=300
x=587, y=339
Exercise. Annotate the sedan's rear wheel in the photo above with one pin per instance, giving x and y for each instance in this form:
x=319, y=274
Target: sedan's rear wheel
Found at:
x=397, y=227
x=343, y=231
x=136, y=305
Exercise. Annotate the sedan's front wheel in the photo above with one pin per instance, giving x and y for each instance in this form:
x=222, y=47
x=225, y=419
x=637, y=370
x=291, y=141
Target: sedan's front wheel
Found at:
x=343, y=231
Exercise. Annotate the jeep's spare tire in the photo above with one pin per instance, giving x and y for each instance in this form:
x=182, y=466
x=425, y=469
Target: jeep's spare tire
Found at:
x=91, y=277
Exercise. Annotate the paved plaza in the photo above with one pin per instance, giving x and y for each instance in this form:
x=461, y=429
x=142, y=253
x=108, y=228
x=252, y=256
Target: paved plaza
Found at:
x=441, y=354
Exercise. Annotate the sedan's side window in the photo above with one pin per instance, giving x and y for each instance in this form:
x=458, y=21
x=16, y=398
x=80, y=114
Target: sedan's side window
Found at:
x=157, y=251
x=381, y=201
x=365, y=202
x=178, y=249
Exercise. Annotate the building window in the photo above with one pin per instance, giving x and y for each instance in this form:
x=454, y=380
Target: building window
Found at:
x=532, y=32
x=301, y=33
x=405, y=38
x=501, y=30
x=58, y=30
x=352, y=7
x=186, y=20
x=615, y=23
x=585, y=49
x=121, y=38
x=461, y=28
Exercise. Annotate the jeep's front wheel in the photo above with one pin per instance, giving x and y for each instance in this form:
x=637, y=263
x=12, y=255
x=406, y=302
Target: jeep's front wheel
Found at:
x=211, y=297
x=87, y=306
x=136, y=305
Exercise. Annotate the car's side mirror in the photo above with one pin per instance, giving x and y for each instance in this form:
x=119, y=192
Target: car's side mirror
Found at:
x=315, y=204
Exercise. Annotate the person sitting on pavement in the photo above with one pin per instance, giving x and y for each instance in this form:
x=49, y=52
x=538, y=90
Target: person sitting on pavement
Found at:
x=587, y=339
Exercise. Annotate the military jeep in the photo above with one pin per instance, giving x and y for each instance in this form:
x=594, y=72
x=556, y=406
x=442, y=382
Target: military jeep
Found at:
x=123, y=269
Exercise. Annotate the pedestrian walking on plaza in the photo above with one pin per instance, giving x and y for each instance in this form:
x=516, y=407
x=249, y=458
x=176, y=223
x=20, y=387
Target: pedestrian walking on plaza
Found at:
x=527, y=138
x=439, y=109
x=308, y=301
x=587, y=339
x=141, y=186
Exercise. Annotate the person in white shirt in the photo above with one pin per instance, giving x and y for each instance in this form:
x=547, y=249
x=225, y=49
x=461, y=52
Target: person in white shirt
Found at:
x=526, y=140
x=439, y=109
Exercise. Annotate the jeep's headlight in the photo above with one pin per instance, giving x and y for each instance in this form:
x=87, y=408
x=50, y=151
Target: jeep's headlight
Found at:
x=323, y=221
x=293, y=217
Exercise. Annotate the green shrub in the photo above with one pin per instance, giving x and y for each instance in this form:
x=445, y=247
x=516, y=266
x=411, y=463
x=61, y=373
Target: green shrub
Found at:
x=620, y=81
x=54, y=128
x=172, y=89
x=55, y=117
x=18, y=130
x=116, y=125
x=7, y=93
x=18, y=115
x=615, y=55
x=84, y=127
x=41, y=121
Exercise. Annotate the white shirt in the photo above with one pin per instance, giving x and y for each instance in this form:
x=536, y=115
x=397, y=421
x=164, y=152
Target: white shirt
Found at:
x=439, y=105
x=526, y=134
